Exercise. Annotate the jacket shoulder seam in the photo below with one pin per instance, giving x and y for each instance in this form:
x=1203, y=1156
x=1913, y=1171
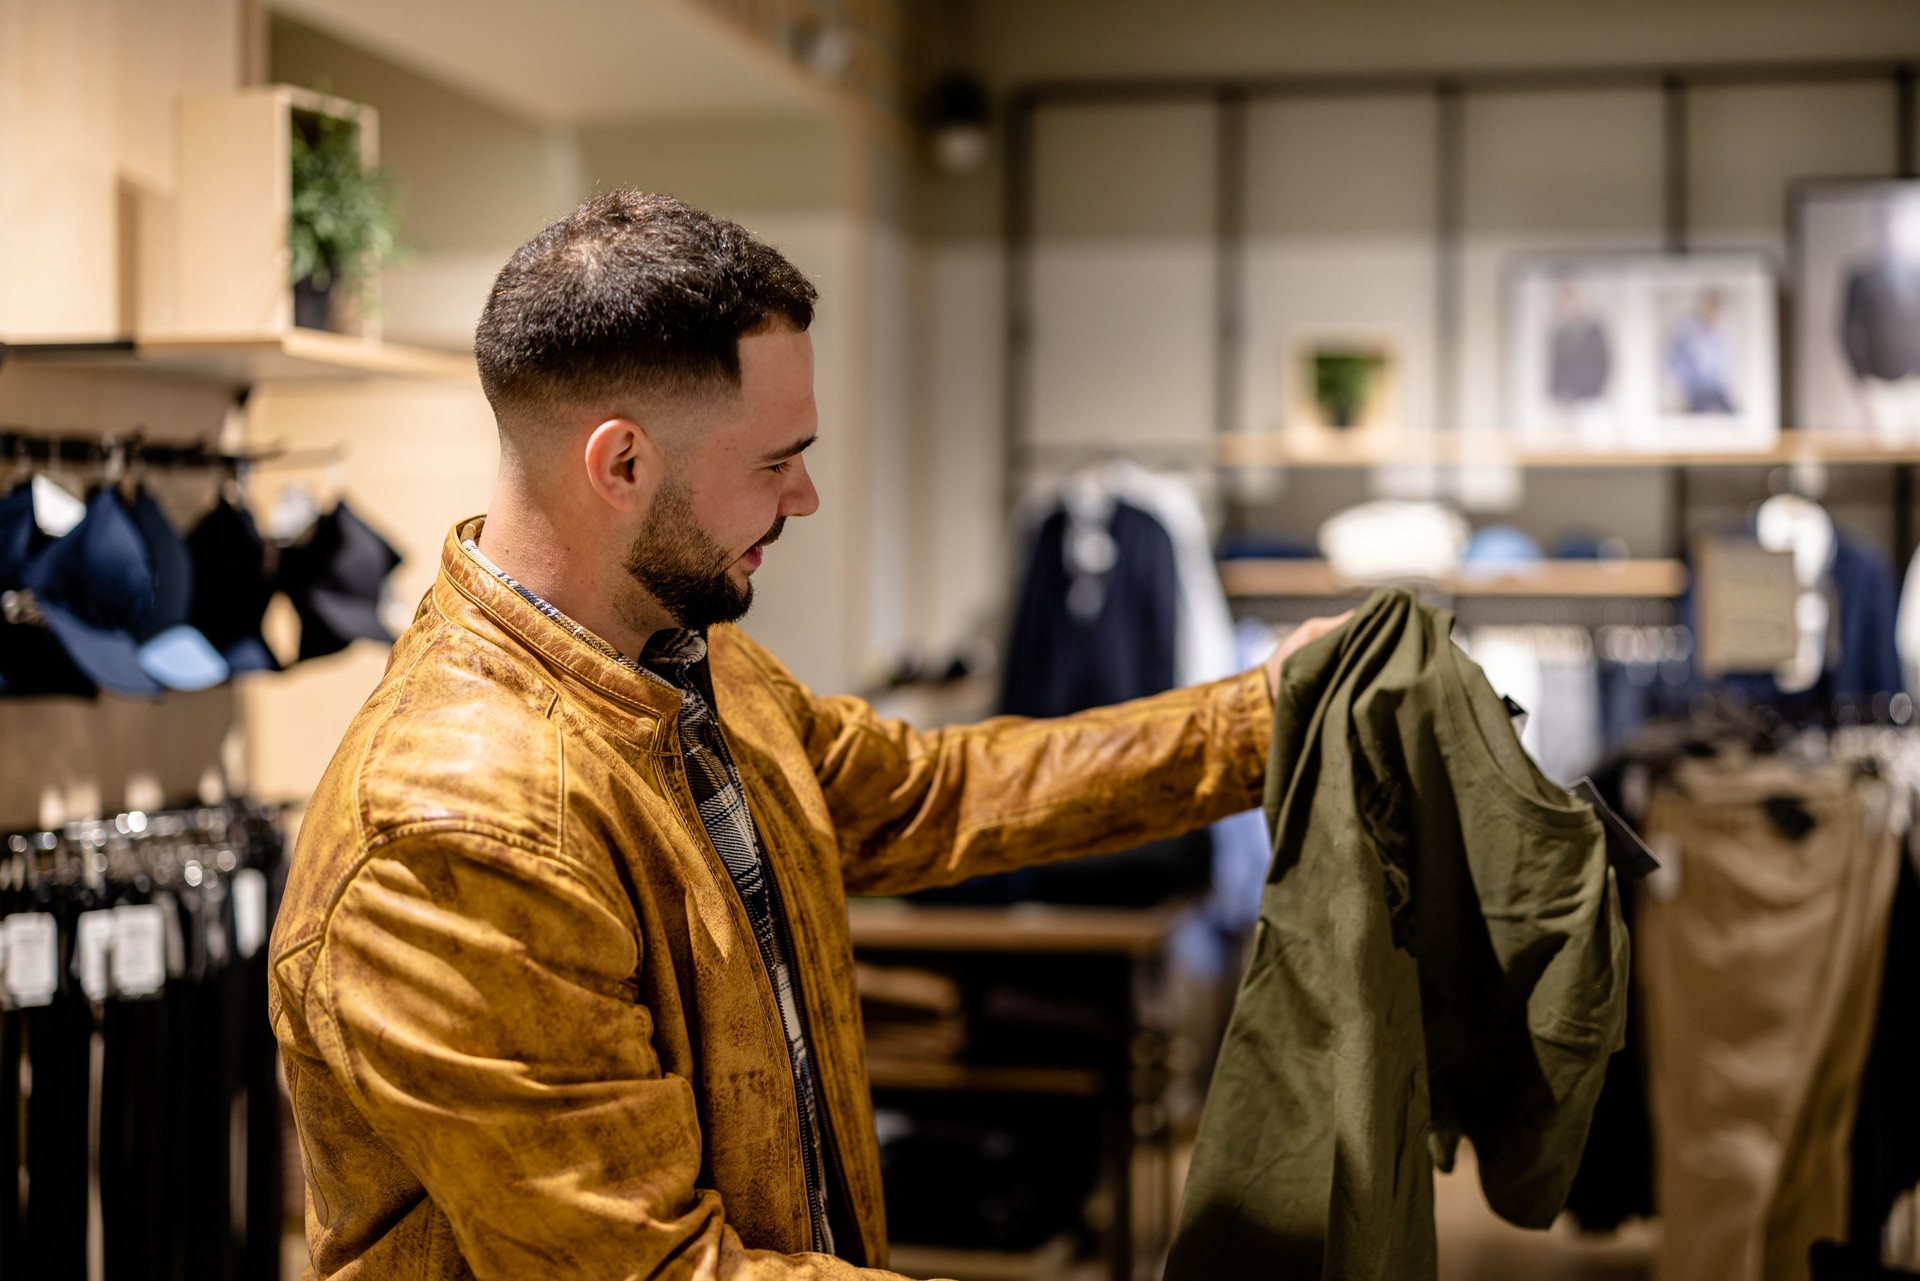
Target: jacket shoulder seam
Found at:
x=393, y=706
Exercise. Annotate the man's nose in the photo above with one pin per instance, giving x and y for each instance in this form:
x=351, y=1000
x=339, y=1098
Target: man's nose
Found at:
x=800, y=499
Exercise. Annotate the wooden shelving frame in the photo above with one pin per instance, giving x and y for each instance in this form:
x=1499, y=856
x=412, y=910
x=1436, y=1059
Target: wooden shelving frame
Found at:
x=244, y=360
x=1262, y=449
x=1557, y=579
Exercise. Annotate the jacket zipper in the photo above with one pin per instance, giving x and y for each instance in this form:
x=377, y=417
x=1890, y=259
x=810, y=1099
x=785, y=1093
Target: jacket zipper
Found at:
x=809, y=1167
x=809, y=1156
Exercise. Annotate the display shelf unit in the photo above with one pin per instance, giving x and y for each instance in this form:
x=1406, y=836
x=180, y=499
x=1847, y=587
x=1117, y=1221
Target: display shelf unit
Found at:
x=1258, y=449
x=247, y=359
x=235, y=190
x=1026, y=927
x=889, y=1073
x=1616, y=579
x=1110, y=956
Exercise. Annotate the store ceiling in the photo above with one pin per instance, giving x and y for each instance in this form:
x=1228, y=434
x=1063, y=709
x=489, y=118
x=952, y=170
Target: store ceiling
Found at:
x=567, y=61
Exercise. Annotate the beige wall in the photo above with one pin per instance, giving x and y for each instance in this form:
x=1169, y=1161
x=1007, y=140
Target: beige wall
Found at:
x=1018, y=40
x=86, y=154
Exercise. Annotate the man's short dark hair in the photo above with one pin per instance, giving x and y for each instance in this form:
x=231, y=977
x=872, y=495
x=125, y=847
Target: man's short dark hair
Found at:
x=631, y=292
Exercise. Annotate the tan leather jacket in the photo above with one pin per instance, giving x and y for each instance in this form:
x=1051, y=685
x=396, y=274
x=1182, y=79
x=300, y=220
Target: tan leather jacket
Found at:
x=526, y=1027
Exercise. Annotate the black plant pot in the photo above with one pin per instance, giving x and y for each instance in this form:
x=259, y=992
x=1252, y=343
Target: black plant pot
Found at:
x=312, y=304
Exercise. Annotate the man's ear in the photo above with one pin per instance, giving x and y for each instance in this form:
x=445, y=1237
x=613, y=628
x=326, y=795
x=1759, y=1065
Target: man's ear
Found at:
x=624, y=465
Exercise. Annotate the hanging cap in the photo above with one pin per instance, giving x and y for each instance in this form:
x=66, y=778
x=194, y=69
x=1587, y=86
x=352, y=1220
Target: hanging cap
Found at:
x=181, y=658
x=231, y=589
x=19, y=536
x=92, y=590
x=31, y=660
x=334, y=578
x=172, y=652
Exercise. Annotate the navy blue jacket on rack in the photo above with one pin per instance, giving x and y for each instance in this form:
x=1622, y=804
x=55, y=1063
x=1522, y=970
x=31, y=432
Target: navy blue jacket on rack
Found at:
x=1059, y=661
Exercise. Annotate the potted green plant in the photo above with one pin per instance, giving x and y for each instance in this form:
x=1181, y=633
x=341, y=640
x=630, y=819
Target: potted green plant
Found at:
x=1342, y=383
x=344, y=217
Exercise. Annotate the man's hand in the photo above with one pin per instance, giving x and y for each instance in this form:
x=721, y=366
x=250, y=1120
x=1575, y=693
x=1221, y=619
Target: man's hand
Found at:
x=1305, y=634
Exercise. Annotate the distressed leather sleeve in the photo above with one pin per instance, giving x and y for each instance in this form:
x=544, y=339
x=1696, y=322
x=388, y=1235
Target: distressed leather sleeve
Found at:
x=477, y=999
x=914, y=808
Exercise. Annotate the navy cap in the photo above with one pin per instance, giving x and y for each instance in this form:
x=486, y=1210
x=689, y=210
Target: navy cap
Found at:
x=334, y=578
x=31, y=660
x=172, y=652
x=92, y=590
x=19, y=536
x=231, y=589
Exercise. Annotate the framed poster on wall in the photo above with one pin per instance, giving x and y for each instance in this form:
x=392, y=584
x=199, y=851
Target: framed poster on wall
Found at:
x=1647, y=352
x=1856, y=255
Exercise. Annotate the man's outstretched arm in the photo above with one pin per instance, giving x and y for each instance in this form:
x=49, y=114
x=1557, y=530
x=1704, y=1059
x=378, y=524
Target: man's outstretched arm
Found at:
x=916, y=808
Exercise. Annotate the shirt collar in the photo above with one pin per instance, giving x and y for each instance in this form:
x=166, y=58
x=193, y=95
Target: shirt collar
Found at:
x=675, y=647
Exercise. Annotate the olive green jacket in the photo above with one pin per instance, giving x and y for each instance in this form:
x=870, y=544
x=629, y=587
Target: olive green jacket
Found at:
x=1440, y=952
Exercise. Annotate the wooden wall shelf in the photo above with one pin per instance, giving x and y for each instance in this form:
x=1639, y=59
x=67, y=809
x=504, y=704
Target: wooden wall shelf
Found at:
x=885, y=1073
x=1259, y=449
x=1657, y=579
x=1027, y=927
x=243, y=360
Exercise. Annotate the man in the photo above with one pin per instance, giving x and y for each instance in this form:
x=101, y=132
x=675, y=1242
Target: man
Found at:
x=1880, y=320
x=1700, y=357
x=562, y=972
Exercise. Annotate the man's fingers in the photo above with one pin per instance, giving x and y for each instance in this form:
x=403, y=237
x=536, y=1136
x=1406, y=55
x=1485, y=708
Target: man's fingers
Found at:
x=1305, y=634
x=1310, y=631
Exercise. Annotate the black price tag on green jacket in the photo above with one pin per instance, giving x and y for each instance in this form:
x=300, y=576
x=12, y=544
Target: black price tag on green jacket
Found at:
x=1625, y=850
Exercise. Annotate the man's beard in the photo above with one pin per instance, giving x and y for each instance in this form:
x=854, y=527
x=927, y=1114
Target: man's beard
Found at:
x=682, y=568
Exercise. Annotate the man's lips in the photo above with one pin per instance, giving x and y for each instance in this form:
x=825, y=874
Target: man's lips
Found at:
x=752, y=558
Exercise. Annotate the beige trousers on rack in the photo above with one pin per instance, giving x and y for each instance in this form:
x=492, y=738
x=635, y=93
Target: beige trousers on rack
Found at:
x=1760, y=972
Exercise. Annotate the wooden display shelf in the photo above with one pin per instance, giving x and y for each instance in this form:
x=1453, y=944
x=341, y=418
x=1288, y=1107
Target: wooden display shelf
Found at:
x=1024, y=927
x=1259, y=449
x=1658, y=579
x=242, y=360
x=885, y=1072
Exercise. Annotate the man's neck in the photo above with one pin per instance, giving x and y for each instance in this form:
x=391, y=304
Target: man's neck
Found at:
x=571, y=572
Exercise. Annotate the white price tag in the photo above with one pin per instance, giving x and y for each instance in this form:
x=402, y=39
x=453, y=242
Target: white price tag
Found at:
x=249, y=886
x=139, y=949
x=33, y=959
x=92, y=944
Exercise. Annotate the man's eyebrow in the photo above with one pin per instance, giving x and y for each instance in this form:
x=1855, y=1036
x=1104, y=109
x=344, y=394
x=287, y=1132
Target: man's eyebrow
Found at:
x=780, y=455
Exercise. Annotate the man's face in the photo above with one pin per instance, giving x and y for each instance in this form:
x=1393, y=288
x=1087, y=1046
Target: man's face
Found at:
x=731, y=490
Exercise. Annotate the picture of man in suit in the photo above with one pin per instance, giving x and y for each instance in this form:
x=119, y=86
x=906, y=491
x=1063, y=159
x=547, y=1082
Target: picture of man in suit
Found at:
x=1699, y=358
x=1880, y=320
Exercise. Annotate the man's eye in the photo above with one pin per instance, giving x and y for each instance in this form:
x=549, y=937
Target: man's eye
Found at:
x=780, y=468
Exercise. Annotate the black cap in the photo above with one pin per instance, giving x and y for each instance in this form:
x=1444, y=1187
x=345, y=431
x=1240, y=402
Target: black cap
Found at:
x=231, y=589
x=172, y=652
x=334, y=577
x=172, y=565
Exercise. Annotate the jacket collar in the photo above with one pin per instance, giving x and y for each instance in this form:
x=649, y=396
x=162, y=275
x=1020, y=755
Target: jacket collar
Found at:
x=466, y=585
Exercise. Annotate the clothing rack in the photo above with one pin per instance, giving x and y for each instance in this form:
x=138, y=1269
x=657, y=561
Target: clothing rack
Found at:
x=159, y=846
x=20, y=444
x=141, y=1137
